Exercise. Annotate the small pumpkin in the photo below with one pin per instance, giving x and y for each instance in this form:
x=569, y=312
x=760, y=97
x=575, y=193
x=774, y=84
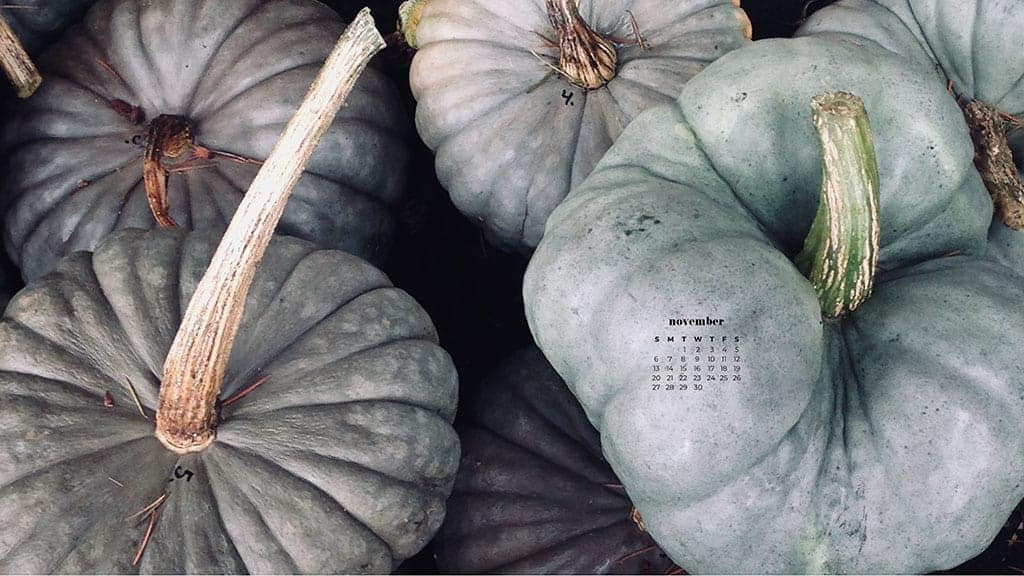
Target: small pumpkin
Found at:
x=884, y=439
x=38, y=22
x=162, y=112
x=533, y=494
x=519, y=100
x=973, y=48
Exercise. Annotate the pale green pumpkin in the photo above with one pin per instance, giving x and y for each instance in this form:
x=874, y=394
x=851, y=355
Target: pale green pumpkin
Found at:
x=886, y=440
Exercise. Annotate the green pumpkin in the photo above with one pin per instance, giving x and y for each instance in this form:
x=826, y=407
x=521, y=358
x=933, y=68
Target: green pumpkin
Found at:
x=533, y=494
x=511, y=134
x=972, y=46
x=72, y=156
x=340, y=462
x=886, y=440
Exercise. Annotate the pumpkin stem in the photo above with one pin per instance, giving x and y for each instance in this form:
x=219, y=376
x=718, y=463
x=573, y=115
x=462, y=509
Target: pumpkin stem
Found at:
x=196, y=363
x=840, y=252
x=994, y=160
x=409, y=14
x=169, y=136
x=585, y=58
x=16, y=62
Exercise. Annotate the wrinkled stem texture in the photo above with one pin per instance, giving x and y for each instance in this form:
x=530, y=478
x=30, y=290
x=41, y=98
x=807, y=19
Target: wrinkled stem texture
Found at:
x=994, y=160
x=169, y=136
x=195, y=365
x=585, y=58
x=16, y=62
x=840, y=253
x=409, y=14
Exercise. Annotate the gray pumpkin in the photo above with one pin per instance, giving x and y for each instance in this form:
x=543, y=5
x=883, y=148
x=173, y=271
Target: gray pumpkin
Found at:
x=72, y=154
x=533, y=494
x=340, y=462
x=37, y=22
x=886, y=440
x=511, y=135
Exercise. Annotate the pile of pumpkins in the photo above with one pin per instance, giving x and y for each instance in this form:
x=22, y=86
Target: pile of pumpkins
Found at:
x=846, y=198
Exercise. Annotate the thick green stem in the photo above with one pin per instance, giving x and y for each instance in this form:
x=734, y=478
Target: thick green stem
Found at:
x=840, y=253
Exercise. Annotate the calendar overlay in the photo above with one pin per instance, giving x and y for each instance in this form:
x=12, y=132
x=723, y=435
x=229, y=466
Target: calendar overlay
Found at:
x=691, y=355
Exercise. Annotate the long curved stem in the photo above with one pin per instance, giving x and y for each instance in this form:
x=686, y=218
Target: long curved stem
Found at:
x=840, y=253
x=195, y=366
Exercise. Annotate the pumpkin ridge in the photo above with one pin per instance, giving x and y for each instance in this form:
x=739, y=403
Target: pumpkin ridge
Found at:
x=207, y=115
x=109, y=298
x=552, y=503
x=8, y=483
x=190, y=103
x=68, y=353
x=314, y=324
x=96, y=45
x=255, y=514
x=533, y=451
x=568, y=542
x=566, y=470
x=478, y=120
x=317, y=489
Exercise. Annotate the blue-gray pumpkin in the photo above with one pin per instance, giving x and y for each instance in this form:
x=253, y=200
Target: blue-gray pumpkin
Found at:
x=339, y=462
x=520, y=99
x=884, y=440
x=203, y=87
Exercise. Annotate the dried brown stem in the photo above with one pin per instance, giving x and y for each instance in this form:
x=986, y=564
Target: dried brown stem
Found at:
x=195, y=365
x=16, y=62
x=169, y=136
x=994, y=160
x=585, y=58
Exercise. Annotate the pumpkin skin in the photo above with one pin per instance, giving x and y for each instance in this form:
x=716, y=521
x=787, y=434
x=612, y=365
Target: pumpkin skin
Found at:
x=974, y=45
x=885, y=441
x=37, y=22
x=340, y=462
x=238, y=70
x=533, y=494
x=510, y=141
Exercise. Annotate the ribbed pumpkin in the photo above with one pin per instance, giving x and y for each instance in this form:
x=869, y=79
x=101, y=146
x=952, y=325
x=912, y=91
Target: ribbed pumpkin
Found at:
x=533, y=494
x=202, y=89
x=520, y=99
x=886, y=439
x=340, y=461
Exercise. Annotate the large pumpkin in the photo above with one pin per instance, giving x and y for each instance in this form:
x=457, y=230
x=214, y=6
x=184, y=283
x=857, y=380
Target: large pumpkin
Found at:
x=141, y=77
x=340, y=461
x=883, y=440
x=520, y=99
x=37, y=22
x=973, y=47
x=533, y=494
